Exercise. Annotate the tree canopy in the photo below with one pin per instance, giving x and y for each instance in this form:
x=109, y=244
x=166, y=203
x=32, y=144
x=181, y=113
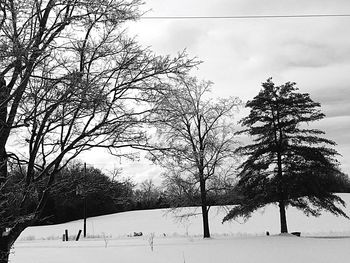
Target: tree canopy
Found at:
x=70, y=80
x=288, y=162
x=196, y=142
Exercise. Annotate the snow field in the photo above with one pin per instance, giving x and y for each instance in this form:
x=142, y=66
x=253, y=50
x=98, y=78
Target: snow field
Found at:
x=190, y=250
x=180, y=241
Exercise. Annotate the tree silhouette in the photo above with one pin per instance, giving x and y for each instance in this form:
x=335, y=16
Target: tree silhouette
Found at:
x=70, y=80
x=196, y=135
x=288, y=163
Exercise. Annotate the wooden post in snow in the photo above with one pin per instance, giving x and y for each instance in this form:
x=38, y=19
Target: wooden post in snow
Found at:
x=78, y=235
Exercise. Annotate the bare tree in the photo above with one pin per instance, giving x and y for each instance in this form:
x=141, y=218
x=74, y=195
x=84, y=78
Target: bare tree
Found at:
x=197, y=138
x=70, y=80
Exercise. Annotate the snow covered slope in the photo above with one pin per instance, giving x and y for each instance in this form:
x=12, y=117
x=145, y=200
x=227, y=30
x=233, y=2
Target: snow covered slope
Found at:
x=181, y=242
x=163, y=223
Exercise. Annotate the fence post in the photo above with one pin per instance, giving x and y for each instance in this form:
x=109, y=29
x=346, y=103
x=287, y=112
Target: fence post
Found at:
x=78, y=235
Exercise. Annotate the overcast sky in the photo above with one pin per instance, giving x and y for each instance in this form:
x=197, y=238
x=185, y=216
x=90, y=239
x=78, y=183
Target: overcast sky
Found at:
x=239, y=54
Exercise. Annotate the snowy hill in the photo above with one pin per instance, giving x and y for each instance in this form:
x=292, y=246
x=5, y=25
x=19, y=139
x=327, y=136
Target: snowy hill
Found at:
x=181, y=242
x=162, y=222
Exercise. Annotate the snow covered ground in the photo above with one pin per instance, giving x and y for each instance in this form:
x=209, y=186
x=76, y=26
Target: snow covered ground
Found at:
x=178, y=250
x=324, y=239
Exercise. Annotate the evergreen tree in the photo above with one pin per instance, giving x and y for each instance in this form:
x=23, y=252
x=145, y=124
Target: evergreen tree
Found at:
x=288, y=163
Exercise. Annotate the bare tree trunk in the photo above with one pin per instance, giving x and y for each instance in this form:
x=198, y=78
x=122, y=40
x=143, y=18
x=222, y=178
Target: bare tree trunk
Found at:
x=3, y=164
x=8, y=239
x=206, y=232
x=3, y=117
x=283, y=218
x=5, y=247
x=4, y=244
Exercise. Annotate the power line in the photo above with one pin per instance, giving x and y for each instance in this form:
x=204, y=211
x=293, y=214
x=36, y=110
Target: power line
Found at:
x=245, y=16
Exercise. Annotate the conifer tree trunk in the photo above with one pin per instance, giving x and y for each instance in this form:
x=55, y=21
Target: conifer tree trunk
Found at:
x=283, y=218
x=281, y=203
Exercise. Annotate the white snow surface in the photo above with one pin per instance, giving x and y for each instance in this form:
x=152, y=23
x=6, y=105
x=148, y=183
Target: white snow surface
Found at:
x=323, y=239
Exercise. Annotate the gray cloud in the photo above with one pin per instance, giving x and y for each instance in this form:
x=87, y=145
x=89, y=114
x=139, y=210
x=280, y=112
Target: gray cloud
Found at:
x=182, y=35
x=239, y=7
x=312, y=54
x=334, y=99
x=282, y=7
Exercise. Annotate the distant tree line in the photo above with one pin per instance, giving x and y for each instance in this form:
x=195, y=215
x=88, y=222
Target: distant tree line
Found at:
x=103, y=194
x=106, y=195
